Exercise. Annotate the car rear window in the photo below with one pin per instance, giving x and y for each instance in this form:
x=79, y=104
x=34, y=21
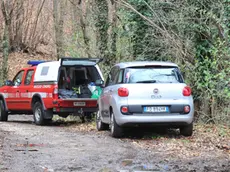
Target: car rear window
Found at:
x=154, y=74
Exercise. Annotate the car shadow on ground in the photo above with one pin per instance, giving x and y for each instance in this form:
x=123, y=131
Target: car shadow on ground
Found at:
x=144, y=133
x=28, y=119
x=151, y=133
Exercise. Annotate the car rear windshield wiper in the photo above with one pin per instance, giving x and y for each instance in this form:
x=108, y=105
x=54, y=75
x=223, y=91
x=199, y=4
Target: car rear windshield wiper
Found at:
x=147, y=81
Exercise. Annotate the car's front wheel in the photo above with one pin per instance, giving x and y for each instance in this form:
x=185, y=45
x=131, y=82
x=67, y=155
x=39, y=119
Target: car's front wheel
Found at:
x=100, y=125
x=116, y=130
x=187, y=130
x=3, y=113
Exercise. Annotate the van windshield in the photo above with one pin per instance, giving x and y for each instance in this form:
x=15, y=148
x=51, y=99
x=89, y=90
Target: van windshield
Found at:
x=162, y=74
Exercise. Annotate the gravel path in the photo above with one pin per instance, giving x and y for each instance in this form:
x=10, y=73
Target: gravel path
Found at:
x=26, y=147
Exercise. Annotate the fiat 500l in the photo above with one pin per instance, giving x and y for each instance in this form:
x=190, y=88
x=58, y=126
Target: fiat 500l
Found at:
x=140, y=93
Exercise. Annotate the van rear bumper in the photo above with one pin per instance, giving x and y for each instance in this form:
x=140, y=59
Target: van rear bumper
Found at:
x=74, y=110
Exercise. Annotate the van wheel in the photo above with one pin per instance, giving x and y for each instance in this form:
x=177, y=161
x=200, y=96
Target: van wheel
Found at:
x=187, y=130
x=116, y=130
x=100, y=125
x=3, y=113
x=38, y=113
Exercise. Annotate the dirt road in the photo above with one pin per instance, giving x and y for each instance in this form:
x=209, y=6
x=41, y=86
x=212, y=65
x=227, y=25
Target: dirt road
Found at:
x=59, y=148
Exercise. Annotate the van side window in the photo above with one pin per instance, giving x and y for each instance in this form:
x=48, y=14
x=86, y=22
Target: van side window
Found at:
x=45, y=70
x=18, y=78
x=28, y=77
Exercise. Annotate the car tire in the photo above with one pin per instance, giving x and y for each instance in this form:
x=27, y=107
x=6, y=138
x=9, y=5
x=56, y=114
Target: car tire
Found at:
x=100, y=125
x=38, y=113
x=116, y=130
x=3, y=113
x=187, y=130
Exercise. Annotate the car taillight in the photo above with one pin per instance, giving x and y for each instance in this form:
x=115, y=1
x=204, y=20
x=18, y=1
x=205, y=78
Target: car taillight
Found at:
x=186, y=109
x=187, y=91
x=55, y=92
x=123, y=92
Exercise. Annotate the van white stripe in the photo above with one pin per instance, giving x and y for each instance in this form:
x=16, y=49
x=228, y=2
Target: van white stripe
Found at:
x=27, y=95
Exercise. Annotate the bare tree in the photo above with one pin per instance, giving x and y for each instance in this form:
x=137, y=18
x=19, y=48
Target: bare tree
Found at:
x=6, y=14
x=58, y=15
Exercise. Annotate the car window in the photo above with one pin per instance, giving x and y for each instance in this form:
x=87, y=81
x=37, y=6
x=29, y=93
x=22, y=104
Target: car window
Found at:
x=111, y=79
x=153, y=75
x=18, y=78
x=108, y=80
x=119, y=77
x=28, y=77
x=44, y=70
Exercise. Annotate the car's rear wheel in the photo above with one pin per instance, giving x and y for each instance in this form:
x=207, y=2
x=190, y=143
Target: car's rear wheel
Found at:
x=3, y=113
x=100, y=125
x=116, y=130
x=187, y=130
x=38, y=114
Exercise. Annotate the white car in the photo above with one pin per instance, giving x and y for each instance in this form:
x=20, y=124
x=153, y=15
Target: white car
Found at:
x=140, y=93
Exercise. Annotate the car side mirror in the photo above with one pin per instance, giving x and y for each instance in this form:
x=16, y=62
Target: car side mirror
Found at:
x=9, y=83
x=99, y=82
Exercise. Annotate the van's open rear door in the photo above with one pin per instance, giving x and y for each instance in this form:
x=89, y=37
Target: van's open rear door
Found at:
x=69, y=61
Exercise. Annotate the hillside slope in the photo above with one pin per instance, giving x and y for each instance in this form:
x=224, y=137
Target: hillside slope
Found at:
x=19, y=60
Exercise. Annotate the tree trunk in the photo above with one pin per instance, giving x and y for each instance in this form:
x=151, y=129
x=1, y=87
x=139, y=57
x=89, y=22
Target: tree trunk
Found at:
x=5, y=43
x=58, y=15
x=83, y=23
x=112, y=34
x=102, y=28
x=5, y=53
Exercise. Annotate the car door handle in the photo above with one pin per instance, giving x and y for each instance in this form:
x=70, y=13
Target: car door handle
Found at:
x=27, y=91
x=110, y=91
x=17, y=91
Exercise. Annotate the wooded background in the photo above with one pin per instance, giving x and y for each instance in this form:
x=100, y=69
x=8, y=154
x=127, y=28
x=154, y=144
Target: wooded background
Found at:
x=194, y=34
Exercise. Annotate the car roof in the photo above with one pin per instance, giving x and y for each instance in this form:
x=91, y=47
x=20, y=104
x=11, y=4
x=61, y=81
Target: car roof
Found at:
x=145, y=63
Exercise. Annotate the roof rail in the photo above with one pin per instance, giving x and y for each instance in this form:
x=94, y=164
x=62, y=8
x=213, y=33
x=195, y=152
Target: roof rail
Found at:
x=35, y=62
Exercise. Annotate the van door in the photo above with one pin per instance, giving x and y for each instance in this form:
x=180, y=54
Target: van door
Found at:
x=26, y=89
x=13, y=101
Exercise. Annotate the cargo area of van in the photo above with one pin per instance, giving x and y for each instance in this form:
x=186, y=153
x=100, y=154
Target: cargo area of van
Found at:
x=79, y=86
x=79, y=81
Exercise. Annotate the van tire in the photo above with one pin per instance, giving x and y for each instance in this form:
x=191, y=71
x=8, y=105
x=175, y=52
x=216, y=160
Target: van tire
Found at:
x=39, y=113
x=187, y=130
x=100, y=125
x=3, y=113
x=116, y=130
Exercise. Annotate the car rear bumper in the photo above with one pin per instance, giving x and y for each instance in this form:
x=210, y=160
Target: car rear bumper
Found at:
x=156, y=118
x=82, y=105
x=124, y=120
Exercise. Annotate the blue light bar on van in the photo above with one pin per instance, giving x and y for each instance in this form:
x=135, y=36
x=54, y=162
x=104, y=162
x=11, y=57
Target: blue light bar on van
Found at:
x=35, y=62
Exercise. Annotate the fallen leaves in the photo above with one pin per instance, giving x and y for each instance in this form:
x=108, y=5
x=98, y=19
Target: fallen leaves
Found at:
x=207, y=141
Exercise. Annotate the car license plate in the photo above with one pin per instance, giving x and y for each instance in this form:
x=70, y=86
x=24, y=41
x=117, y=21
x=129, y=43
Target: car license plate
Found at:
x=79, y=103
x=154, y=109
